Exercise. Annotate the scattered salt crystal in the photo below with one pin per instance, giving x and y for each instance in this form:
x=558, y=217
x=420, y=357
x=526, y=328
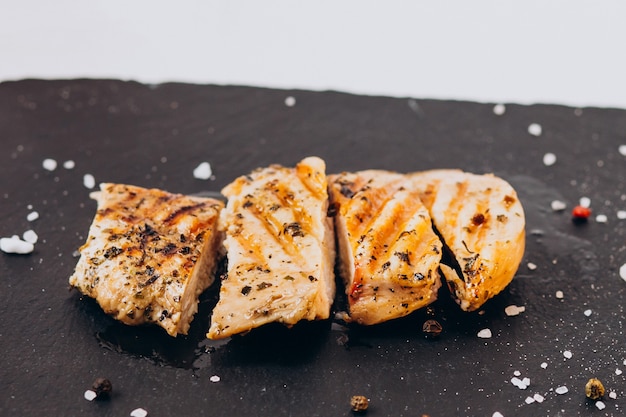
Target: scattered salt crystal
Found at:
x=612, y=395
x=587, y=313
x=484, y=334
x=544, y=365
x=15, y=245
x=497, y=414
x=600, y=405
x=517, y=373
x=499, y=109
x=561, y=390
x=549, y=159
x=618, y=371
x=290, y=101
x=49, y=164
x=138, y=412
x=531, y=266
x=32, y=216
x=559, y=294
x=526, y=381
x=558, y=205
x=601, y=218
x=529, y=400
x=567, y=354
x=622, y=273
x=203, y=171
x=621, y=214
x=90, y=395
x=538, y=397
x=514, y=310
x=89, y=181
x=534, y=129
x=69, y=164
x=622, y=149
x=30, y=236
x=520, y=383
x=215, y=378
x=585, y=202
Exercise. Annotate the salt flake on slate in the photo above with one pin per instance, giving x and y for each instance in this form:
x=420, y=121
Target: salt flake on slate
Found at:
x=613, y=395
x=538, y=397
x=499, y=109
x=69, y=164
x=534, y=129
x=49, y=164
x=30, y=236
x=587, y=313
x=203, y=171
x=621, y=214
x=558, y=205
x=290, y=101
x=567, y=354
x=622, y=273
x=549, y=159
x=600, y=405
x=514, y=310
x=90, y=395
x=561, y=390
x=544, y=365
x=15, y=245
x=138, y=412
x=520, y=383
x=618, y=371
x=32, y=216
x=559, y=294
x=601, y=218
x=89, y=181
x=497, y=414
x=484, y=334
x=531, y=266
x=585, y=202
x=215, y=378
x=622, y=149
x=529, y=400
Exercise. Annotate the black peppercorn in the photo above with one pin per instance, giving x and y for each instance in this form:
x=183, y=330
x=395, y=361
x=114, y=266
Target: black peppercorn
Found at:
x=432, y=328
x=102, y=387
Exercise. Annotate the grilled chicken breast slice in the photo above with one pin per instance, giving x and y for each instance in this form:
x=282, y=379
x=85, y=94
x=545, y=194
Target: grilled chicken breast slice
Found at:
x=389, y=253
x=481, y=220
x=280, y=249
x=149, y=255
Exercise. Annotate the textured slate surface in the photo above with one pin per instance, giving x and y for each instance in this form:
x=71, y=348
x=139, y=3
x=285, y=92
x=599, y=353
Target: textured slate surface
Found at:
x=55, y=343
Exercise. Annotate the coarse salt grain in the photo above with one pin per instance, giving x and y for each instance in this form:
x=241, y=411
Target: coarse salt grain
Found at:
x=32, y=216
x=622, y=273
x=549, y=159
x=514, y=310
x=138, y=412
x=520, y=383
x=544, y=365
x=499, y=109
x=69, y=164
x=618, y=371
x=517, y=373
x=621, y=214
x=567, y=354
x=290, y=101
x=558, y=205
x=215, y=378
x=534, y=129
x=90, y=395
x=600, y=405
x=612, y=395
x=601, y=218
x=622, y=149
x=203, y=171
x=89, y=181
x=529, y=400
x=561, y=390
x=559, y=294
x=30, y=236
x=484, y=334
x=587, y=313
x=531, y=266
x=539, y=398
x=15, y=245
x=585, y=202
x=497, y=414
x=49, y=164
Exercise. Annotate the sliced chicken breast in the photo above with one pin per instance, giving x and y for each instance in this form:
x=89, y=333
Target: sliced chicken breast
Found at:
x=481, y=220
x=280, y=249
x=389, y=253
x=149, y=255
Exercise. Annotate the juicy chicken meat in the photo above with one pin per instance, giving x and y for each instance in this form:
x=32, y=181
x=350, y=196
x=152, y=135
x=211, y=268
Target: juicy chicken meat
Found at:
x=481, y=220
x=280, y=248
x=389, y=253
x=149, y=255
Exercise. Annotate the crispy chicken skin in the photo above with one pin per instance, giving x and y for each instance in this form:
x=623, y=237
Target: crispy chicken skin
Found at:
x=481, y=220
x=280, y=249
x=389, y=253
x=149, y=255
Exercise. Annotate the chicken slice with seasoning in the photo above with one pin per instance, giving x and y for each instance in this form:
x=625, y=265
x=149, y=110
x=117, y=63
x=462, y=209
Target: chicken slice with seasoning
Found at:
x=481, y=221
x=149, y=255
x=280, y=248
x=389, y=253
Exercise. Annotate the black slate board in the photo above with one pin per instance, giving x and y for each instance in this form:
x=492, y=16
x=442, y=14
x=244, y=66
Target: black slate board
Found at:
x=54, y=343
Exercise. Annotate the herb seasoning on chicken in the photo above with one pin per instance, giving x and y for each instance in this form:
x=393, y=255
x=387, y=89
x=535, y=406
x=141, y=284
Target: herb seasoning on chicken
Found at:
x=149, y=255
x=280, y=249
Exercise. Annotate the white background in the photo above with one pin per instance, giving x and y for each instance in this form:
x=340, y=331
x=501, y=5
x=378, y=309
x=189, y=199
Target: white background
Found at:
x=566, y=52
